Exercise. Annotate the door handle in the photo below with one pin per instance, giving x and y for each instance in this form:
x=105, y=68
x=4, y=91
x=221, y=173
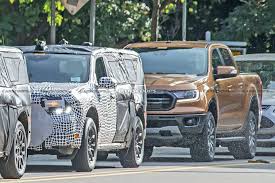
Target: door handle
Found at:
x=240, y=85
x=229, y=88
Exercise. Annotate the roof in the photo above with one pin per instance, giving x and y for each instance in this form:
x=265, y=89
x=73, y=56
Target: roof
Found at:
x=169, y=44
x=74, y=49
x=9, y=49
x=66, y=49
x=256, y=57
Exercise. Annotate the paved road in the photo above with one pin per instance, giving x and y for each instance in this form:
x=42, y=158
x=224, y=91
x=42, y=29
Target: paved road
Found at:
x=168, y=165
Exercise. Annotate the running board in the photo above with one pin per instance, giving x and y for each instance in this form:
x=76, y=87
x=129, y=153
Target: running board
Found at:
x=111, y=147
x=230, y=139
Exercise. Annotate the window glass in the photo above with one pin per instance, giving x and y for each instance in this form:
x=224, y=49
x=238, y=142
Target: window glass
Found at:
x=228, y=61
x=192, y=61
x=12, y=65
x=117, y=69
x=131, y=67
x=58, y=68
x=216, y=59
x=100, y=69
x=2, y=75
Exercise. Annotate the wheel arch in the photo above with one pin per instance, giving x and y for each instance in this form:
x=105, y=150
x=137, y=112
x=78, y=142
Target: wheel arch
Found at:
x=92, y=113
x=140, y=112
x=213, y=108
x=254, y=107
x=24, y=119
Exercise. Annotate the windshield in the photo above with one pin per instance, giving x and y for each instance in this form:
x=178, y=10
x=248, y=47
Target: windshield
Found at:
x=175, y=61
x=265, y=69
x=58, y=68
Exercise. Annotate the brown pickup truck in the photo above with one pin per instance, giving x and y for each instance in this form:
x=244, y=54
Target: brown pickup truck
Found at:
x=198, y=99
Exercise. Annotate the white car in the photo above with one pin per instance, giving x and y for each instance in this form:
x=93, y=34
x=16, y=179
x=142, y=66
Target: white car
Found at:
x=264, y=66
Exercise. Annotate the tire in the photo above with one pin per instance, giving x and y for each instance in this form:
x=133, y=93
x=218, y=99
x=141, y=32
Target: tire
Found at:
x=102, y=156
x=132, y=157
x=148, y=151
x=247, y=148
x=85, y=159
x=204, y=149
x=15, y=165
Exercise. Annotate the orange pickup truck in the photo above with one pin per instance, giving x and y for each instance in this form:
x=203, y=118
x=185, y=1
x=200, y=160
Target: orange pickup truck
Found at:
x=198, y=99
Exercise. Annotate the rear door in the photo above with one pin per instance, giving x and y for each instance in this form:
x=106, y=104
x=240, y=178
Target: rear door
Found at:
x=123, y=92
x=236, y=91
x=228, y=96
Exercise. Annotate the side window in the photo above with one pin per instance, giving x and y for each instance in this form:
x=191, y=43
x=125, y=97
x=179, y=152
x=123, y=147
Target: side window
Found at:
x=16, y=68
x=216, y=59
x=100, y=69
x=131, y=67
x=228, y=61
x=117, y=69
x=3, y=76
x=12, y=65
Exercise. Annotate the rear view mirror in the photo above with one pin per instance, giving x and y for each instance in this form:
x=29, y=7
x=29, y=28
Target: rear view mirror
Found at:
x=107, y=82
x=226, y=72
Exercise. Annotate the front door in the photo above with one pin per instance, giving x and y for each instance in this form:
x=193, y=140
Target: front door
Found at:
x=106, y=105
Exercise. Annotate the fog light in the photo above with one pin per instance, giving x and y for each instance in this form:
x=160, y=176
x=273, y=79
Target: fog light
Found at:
x=190, y=122
x=76, y=136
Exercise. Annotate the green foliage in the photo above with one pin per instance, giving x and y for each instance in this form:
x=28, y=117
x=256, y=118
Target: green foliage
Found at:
x=253, y=21
x=118, y=22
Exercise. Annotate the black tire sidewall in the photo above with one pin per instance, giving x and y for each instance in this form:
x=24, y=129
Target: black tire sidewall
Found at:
x=200, y=150
x=8, y=166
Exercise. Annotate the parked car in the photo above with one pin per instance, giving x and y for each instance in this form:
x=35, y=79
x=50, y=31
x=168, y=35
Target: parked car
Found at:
x=264, y=66
x=198, y=99
x=86, y=99
x=15, y=111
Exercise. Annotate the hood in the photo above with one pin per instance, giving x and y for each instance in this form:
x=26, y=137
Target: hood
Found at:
x=56, y=87
x=269, y=97
x=173, y=81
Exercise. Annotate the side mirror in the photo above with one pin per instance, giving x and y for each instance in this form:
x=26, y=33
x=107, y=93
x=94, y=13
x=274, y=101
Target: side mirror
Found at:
x=225, y=72
x=107, y=82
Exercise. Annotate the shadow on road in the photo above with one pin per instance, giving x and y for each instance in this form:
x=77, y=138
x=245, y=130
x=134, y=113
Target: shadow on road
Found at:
x=56, y=168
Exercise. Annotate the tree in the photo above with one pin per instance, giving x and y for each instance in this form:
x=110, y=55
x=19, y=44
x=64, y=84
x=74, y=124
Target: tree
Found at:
x=253, y=22
x=118, y=22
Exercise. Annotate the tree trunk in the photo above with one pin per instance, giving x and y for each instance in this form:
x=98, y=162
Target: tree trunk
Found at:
x=155, y=20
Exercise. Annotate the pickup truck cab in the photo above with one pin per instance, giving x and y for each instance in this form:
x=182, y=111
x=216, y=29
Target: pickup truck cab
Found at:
x=86, y=100
x=198, y=99
x=15, y=112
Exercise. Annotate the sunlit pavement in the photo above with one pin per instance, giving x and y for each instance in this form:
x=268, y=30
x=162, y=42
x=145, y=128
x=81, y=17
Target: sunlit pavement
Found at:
x=167, y=165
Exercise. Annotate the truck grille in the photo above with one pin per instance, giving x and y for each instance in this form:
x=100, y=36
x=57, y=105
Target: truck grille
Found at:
x=160, y=101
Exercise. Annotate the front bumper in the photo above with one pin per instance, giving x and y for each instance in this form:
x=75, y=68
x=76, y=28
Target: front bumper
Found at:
x=173, y=130
x=51, y=131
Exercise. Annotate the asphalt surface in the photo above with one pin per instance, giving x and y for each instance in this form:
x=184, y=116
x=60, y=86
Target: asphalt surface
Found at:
x=168, y=165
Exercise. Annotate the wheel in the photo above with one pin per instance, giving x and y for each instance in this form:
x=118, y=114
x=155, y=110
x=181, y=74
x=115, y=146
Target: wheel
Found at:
x=15, y=165
x=132, y=157
x=148, y=151
x=102, y=156
x=85, y=158
x=204, y=149
x=247, y=148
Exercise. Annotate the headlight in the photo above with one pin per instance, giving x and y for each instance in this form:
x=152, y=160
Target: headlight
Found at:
x=188, y=94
